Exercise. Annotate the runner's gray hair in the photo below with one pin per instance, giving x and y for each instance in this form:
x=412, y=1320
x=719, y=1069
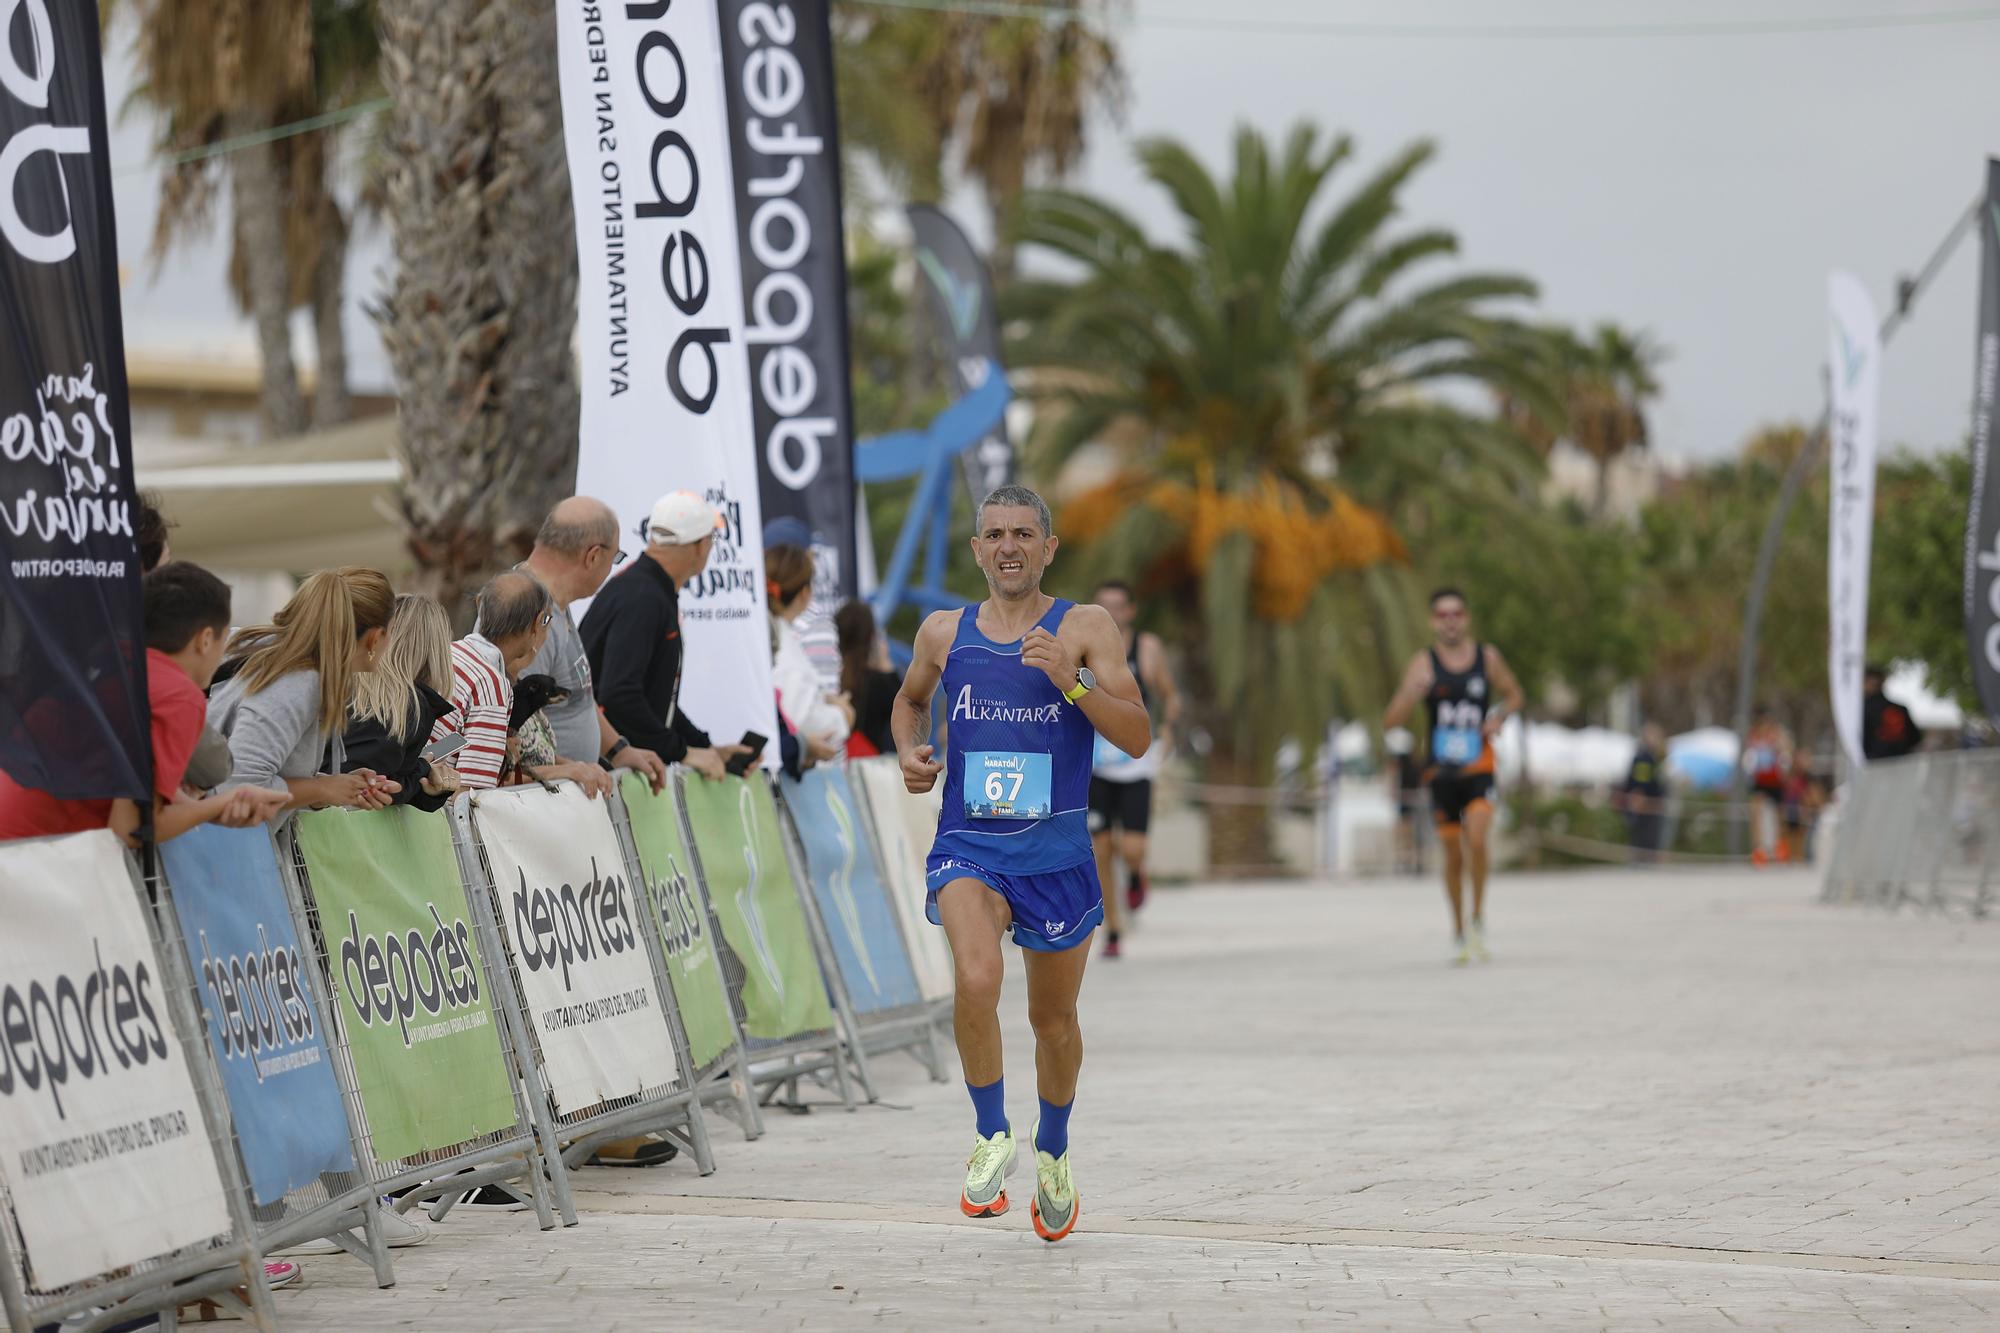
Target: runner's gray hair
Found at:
x=1022, y=497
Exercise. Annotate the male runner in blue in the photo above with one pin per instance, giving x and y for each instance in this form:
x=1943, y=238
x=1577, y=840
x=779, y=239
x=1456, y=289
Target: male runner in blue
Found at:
x=1029, y=680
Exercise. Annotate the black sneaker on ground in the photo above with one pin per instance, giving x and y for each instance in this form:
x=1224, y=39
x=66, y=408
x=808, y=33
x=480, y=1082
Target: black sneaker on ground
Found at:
x=493, y=1198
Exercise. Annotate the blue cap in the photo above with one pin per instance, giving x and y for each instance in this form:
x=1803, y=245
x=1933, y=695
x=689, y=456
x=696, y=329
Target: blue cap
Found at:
x=787, y=531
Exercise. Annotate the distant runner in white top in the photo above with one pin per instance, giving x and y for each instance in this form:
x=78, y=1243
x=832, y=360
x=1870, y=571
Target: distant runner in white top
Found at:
x=1121, y=787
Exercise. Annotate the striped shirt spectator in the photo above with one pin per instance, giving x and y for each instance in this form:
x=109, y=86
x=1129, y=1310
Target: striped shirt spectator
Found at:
x=483, y=696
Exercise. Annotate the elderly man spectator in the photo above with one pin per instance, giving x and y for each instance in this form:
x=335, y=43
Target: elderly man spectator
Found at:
x=515, y=611
x=632, y=636
x=574, y=553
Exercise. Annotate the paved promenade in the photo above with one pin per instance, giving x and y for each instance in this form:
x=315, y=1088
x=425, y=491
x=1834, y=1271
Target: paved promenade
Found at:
x=1681, y=1100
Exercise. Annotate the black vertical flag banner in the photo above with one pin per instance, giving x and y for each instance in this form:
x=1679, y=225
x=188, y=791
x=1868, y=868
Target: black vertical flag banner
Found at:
x=959, y=290
x=73, y=716
x=1982, y=523
x=777, y=62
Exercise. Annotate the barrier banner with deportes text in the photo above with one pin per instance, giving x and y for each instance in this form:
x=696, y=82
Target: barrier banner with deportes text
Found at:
x=777, y=62
x=256, y=1003
x=749, y=881
x=867, y=943
x=103, y=1149
x=1982, y=522
x=666, y=381
x=408, y=978
x=571, y=920
x=699, y=992
x=73, y=715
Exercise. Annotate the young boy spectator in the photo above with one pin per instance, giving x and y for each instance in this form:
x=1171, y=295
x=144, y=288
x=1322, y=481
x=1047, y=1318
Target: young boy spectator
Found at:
x=187, y=625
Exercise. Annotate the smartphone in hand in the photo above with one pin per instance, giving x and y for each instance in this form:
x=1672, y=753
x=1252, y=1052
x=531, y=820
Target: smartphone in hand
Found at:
x=753, y=744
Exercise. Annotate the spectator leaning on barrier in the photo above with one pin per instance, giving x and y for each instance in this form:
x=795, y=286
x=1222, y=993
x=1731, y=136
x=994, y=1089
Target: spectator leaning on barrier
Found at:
x=574, y=554
x=867, y=681
x=187, y=621
x=816, y=630
x=209, y=765
x=820, y=718
x=632, y=635
x=515, y=612
x=398, y=704
x=1887, y=729
x=283, y=704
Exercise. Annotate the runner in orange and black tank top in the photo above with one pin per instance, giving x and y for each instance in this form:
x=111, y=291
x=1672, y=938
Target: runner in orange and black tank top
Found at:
x=1467, y=688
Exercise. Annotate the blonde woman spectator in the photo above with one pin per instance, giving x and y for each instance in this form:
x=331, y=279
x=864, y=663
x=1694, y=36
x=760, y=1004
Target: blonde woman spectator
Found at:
x=283, y=706
x=397, y=705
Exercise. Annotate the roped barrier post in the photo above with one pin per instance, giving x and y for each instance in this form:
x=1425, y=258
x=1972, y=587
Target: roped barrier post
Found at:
x=775, y=983
x=599, y=1025
x=417, y=1145
x=829, y=963
x=839, y=872
x=653, y=831
x=106, y=1264
x=236, y=882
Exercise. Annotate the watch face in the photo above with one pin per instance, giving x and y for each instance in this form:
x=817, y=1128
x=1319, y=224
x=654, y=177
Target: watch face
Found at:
x=1086, y=678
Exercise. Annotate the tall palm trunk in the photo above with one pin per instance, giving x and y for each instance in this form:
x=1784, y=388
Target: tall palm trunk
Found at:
x=444, y=318
x=260, y=219
x=332, y=401
x=537, y=267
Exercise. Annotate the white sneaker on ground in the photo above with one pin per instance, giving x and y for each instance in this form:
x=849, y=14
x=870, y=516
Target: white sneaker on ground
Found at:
x=1460, y=954
x=1477, y=937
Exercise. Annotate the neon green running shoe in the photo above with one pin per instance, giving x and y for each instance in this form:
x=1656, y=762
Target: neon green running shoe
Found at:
x=986, y=1176
x=1055, y=1206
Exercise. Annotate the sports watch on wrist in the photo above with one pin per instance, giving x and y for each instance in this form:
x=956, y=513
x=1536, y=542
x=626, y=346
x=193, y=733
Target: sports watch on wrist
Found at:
x=1086, y=681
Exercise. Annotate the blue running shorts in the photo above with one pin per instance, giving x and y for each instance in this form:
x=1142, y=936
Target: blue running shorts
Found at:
x=1053, y=911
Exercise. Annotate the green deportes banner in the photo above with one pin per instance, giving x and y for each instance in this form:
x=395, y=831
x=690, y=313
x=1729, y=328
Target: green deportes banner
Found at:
x=664, y=861
x=407, y=974
x=749, y=883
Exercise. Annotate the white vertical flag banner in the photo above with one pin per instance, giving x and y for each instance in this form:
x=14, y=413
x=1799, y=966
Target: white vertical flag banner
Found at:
x=666, y=376
x=104, y=1154
x=1854, y=360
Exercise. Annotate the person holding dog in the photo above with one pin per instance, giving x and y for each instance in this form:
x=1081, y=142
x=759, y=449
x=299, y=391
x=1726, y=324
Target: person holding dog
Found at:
x=515, y=611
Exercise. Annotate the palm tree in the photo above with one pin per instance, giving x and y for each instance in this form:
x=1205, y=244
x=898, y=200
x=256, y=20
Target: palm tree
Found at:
x=477, y=320
x=1278, y=361
x=1008, y=97
x=1608, y=379
x=219, y=70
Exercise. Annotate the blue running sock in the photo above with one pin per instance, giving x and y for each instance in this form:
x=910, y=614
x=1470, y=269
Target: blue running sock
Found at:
x=990, y=1105
x=1052, y=1134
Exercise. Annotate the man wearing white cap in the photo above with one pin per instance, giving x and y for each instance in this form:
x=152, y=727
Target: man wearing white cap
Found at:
x=632, y=636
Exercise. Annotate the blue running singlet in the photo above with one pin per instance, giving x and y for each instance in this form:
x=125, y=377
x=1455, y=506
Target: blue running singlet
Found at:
x=1017, y=763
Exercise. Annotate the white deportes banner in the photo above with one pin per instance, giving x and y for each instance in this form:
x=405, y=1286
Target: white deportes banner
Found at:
x=1854, y=362
x=666, y=373
x=103, y=1148
x=905, y=826
x=572, y=921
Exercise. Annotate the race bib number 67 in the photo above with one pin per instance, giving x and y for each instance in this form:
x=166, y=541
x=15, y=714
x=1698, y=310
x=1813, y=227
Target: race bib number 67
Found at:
x=1004, y=784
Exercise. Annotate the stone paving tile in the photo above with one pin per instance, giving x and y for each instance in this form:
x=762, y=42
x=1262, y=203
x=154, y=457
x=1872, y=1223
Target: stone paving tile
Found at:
x=632, y=1271
x=1703, y=1061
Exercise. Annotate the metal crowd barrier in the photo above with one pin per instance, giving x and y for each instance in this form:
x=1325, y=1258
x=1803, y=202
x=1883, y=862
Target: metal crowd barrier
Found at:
x=663, y=1105
x=1921, y=831
x=226, y=1268
x=778, y=1063
x=401, y=869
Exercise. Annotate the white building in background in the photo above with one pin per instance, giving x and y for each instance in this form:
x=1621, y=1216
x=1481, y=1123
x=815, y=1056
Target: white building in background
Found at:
x=1634, y=479
x=260, y=514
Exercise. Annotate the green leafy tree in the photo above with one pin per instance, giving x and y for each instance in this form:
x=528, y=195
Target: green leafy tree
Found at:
x=1285, y=341
x=1915, y=611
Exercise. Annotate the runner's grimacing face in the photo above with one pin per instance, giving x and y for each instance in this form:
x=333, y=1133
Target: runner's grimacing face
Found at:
x=1450, y=622
x=1012, y=549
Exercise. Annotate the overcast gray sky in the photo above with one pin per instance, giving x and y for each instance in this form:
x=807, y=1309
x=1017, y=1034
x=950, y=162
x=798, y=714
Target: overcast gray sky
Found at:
x=1699, y=186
